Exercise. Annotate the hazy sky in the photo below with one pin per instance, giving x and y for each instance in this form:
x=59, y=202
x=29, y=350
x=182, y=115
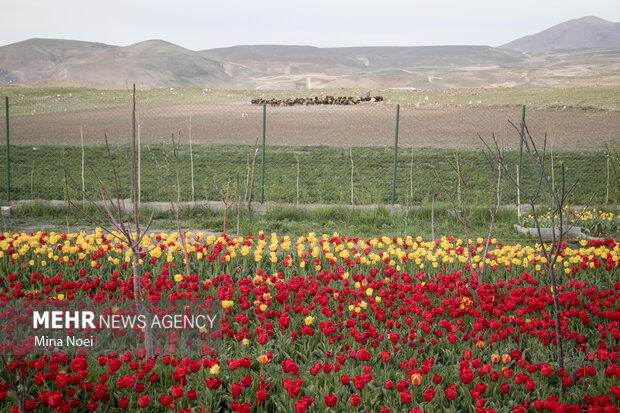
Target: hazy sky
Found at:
x=205, y=24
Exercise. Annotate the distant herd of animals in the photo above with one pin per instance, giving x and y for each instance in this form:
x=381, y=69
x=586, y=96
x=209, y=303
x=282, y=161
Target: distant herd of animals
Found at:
x=327, y=100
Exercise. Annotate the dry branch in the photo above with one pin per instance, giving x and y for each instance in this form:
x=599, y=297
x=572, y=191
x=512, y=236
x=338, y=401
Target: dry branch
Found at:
x=556, y=199
x=111, y=207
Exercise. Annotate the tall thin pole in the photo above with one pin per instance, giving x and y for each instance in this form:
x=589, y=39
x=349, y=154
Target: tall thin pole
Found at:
x=607, y=186
x=518, y=192
x=8, y=157
x=262, y=172
x=139, y=186
x=521, y=149
x=191, y=154
x=133, y=142
x=395, y=155
x=83, y=162
x=133, y=154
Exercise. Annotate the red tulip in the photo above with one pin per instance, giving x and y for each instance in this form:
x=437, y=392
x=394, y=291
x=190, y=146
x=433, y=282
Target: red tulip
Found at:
x=213, y=382
x=235, y=390
x=139, y=387
x=165, y=399
x=429, y=394
x=530, y=385
x=123, y=402
x=302, y=404
x=143, y=400
x=451, y=392
x=506, y=372
x=246, y=381
x=359, y=382
x=467, y=376
x=289, y=366
x=494, y=376
x=261, y=395
x=330, y=400
x=153, y=377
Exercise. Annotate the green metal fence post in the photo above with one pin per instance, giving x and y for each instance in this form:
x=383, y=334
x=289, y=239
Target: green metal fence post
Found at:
x=8, y=157
x=395, y=154
x=520, y=154
x=262, y=172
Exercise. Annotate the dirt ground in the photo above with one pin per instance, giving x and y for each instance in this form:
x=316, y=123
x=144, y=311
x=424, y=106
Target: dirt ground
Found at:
x=360, y=125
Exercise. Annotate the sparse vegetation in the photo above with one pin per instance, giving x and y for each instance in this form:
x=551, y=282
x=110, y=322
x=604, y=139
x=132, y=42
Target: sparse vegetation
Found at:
x=288, y=220
x=59, y=99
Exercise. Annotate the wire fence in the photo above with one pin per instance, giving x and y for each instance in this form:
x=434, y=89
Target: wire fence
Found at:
x=313, y=154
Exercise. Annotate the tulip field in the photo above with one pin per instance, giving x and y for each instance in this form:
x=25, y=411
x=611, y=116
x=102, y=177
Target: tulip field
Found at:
x=330, y=323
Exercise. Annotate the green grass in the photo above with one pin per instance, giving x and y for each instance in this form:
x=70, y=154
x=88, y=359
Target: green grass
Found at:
x=324, y=174
x=550, y=98
x=48, y=100
x=283, y=220
x=371, y=222
x=43, y=100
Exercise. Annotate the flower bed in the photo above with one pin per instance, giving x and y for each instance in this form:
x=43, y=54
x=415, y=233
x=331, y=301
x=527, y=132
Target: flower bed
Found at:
x=591, y=221
x=331, y=323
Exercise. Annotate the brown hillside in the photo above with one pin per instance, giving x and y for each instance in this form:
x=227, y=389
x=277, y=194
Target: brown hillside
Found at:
x=586, y=32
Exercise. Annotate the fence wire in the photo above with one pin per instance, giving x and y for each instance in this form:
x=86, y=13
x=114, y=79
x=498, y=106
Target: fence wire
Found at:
x=325, y=154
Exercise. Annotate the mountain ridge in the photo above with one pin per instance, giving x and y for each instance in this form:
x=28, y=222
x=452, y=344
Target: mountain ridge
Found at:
x=582, y=33
x=157, y=63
